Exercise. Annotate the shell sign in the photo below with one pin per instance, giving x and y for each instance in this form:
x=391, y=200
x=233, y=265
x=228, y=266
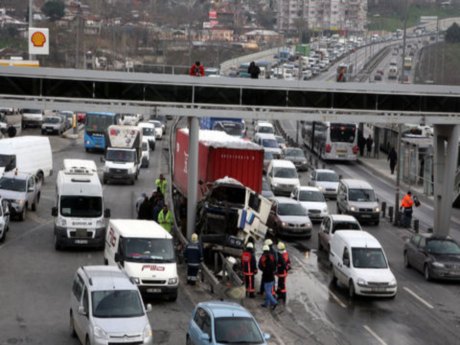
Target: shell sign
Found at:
x=38, y=41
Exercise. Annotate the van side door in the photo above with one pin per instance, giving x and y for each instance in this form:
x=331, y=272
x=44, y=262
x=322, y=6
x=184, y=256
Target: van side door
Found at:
x=343, y=270
x=31, y=186
x=75, y=301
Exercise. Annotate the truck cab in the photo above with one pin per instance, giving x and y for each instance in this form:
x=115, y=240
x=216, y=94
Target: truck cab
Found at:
x=123, y=157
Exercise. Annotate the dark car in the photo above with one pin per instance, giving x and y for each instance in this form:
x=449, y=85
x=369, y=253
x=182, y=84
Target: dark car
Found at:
x=296, y=156
x=437, y=257
x=289, y=218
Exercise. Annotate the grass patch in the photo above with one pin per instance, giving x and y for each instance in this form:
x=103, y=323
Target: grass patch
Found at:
x=437, y=63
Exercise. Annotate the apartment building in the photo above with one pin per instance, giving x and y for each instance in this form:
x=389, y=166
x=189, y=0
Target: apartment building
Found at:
x=318, y=15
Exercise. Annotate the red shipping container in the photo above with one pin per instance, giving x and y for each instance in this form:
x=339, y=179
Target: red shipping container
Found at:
x=220, y=155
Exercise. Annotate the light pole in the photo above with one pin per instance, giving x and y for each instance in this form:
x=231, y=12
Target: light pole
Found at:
x=30, y=25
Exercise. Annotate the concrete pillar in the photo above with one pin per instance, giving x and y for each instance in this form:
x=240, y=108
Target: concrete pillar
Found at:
x=445, y=164
x=192, y=171
x=376, y=142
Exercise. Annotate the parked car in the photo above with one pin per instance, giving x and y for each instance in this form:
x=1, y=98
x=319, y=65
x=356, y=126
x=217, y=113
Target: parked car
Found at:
x=22, y=191
x=296, y=156
x=288, y=217
x=312, y=200
x=326, y=180
x=437, y=257
x=218, y=322
x=53, y=124
x=334, y=222
x=4, y=218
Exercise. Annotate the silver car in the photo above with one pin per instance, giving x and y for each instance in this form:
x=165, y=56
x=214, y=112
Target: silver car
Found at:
x=54, y=124
x=289, y=218
x=326, y=180
x=296, y=156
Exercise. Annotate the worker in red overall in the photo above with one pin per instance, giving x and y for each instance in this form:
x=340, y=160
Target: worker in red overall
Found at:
x=283, y=266
x=249, y=266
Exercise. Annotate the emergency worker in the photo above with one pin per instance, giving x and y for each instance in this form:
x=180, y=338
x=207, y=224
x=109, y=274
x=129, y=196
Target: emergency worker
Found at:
x=282, y=269
x=162, y=184
x=165, y=218
x=193, y=257
x=249, y=267
x=268, y=242
x=406, y=207
x=267, y=265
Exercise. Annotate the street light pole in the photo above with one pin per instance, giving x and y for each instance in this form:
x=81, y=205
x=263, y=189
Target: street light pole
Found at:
x=30, y=25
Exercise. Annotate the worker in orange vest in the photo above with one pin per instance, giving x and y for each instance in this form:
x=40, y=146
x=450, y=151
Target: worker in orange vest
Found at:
x=248, y=261
x=406, y=208
x=282, y=268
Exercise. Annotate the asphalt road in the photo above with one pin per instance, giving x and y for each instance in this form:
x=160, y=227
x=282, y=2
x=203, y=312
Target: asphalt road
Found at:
x=36, y=281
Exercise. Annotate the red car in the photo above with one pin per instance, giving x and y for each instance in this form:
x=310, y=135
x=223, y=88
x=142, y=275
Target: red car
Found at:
x=81, y=117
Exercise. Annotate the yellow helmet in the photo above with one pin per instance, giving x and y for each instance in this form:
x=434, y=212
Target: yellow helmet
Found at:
x=194, y=237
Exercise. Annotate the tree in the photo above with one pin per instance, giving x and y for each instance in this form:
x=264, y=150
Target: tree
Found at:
x=54, y=9
x=453, y=34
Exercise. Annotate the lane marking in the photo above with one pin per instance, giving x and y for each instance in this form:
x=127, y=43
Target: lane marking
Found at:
x=418, y=297
x=371, y=332
x=325, y=289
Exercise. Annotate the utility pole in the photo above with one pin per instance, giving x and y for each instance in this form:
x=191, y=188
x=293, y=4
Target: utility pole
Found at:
x=31, y=57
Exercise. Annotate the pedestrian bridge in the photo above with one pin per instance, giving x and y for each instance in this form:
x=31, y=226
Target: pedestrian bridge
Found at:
x=88, y=90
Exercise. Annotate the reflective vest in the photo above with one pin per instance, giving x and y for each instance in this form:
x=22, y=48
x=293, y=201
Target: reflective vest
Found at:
x=407, y=201
x=248, y=262
x=162, y=185
x=166, y=221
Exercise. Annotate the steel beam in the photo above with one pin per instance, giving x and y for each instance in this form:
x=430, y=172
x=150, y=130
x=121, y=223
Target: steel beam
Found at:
x=192, y=177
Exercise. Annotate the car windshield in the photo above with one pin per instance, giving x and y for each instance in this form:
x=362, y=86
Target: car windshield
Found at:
x=361, y=195
x=285, y=173
x=157, y=124
x=120, y=156
x=237, y=330
x=81, y=206
x=445, y=247
x=368, y=258
x=265, y=129
x=327, y=177
x=148, y=131
x=31, y=111
x=154, y=250
x=294, y=153
x=344, y=133
x=311, y=195
x=271, y=143
x=52, y=120
x=117, y=304
x=12, y=184
x=346, y=226
x=291, y=209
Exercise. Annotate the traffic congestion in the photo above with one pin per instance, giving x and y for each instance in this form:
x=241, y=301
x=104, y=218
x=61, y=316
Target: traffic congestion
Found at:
x=347, y=279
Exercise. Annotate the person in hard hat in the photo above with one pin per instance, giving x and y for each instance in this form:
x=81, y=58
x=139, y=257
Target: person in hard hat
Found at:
x=267, y=265
x=406, y=207
x=268, y=242
x=165, y=218
x=249, y=268
x=193, y=257
x=282, y=268
x=161, y=184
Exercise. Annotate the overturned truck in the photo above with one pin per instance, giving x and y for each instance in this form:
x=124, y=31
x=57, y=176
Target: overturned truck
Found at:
x=231, y=210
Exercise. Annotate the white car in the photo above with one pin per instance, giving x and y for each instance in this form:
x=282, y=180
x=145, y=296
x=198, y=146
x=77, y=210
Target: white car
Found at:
x=312, y=201
x=145, y=153
x=158, y=129
x=148, y=132
x=326, y=180
x=282, y=176
x=131, y=119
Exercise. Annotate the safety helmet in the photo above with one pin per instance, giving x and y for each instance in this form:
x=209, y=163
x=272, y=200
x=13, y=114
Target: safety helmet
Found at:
x=249, y=245
x=266, y=248
x=194, y=237
x=281, y=246
x=268, y=242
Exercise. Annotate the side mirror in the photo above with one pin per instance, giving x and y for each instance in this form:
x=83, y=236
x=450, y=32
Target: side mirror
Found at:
x=340, y=177
x=102, y=159
x=205, y=337
x=30, y=189
x=82, y=311
x=267, y=336
x=54, y=211
x=149, y=308
x=346, y=262
x=107, y=213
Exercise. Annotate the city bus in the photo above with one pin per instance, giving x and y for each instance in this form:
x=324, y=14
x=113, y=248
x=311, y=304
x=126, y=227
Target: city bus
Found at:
x=332, y=140
x=96, y=124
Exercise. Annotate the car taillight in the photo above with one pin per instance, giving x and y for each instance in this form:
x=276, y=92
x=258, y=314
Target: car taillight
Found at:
x=328, y=148
x=355, y=149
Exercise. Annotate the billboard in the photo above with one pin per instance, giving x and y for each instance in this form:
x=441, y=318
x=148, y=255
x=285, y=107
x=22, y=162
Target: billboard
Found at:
x=39, y=41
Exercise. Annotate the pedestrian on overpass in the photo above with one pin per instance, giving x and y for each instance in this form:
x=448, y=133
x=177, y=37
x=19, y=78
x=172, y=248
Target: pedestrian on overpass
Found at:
x=165, y=218
x=197, y=70
x=406, y=207
x=193, y=256
x=254, y=70
x=162, y=184
x=393, y=158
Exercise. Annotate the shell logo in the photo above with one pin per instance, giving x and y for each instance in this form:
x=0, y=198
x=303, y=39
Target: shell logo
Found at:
x=38, y=39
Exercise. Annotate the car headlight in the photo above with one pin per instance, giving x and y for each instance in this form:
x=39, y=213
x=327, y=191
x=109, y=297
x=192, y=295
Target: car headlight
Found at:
x=100, y=223
x=147, y=331
x=438, y=264
x=392, y=283
x=106, y=168
x=325, y=210
x=377, y=209
x=321, y=188
x=361, y=282
x=304, y=162
x=100, y=333
x=275, y=184
x=172, y=281
x=352, y=208
x=19, y=202
x=62, y=222
x=309, y=225
x=135, y=280
x=283, y=224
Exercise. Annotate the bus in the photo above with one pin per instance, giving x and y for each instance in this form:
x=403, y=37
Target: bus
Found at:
x=407, y=63
x=332, y=140
x=344, y=72
x=96, y=124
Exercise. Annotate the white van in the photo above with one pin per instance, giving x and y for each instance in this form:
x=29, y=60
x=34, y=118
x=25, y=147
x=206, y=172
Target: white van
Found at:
x=145, y=251
x=283, y=177
x=145, y=162
x=28, y=154
x=148, y=132
x=80, y=218
x=269, y=143
x=392, y=72
x=359, y=262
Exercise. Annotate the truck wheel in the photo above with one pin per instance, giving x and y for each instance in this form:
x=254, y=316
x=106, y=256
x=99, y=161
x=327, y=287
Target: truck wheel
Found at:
x=73, y=334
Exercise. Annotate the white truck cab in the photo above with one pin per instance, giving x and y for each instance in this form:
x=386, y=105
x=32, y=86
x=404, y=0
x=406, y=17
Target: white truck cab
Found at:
x=123, y=157
x=145, y=251
x=80, y=218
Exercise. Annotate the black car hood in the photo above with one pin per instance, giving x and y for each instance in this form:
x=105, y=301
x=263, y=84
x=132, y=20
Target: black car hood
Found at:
x=445, y=258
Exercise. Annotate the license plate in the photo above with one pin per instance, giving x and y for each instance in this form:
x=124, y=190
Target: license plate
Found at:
x=153, y=290
x=81, y=232
x=379, y=289
x=81, y=241
x=49, y=130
